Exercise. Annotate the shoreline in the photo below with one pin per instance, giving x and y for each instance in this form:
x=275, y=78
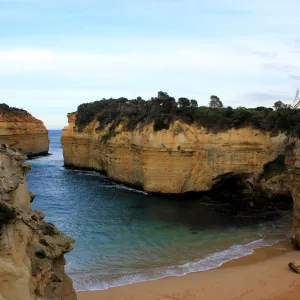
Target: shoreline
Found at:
x=264, y=274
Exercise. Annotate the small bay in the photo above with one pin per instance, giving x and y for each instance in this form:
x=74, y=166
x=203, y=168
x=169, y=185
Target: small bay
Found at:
x=125, y=235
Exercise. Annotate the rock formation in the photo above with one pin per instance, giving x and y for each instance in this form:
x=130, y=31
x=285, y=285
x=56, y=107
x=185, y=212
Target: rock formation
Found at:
x=31, y=250
x=23, y=132
x=296, y=198
x=181, y=159
x=164, y=146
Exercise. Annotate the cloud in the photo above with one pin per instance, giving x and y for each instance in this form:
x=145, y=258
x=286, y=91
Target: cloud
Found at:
x=267, y=97
x=237, y=70
x=294, y=77
x=235, y=56
x=281, y=67
x=60, y=54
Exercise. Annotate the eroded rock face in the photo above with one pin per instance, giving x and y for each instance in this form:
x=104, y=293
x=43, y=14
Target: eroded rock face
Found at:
x=181, y=159
x=296, y=197
x=31, y=250
x=23, y=132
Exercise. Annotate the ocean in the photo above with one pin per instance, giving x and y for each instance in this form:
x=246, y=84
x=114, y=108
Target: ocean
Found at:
x=125, y=235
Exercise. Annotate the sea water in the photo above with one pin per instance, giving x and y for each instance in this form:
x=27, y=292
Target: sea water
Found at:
x=125, y=235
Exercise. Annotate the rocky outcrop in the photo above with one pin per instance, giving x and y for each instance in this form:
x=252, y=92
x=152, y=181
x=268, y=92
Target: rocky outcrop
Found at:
x=31, y=250
x=23, y=132
x=181, y=159
x=187, y=158
x=296, y=197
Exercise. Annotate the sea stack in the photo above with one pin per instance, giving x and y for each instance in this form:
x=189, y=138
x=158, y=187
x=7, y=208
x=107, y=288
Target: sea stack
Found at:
x=31, y=250
x=168, y=147
x=22, y=132
x=182, y=159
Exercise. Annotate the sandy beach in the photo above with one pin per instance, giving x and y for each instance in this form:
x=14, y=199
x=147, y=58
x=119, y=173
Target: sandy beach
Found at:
x=263, y=275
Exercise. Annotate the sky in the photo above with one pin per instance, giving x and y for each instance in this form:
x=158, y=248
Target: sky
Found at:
x=55, y=55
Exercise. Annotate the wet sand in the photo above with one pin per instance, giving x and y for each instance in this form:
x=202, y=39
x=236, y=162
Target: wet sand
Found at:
x=263, y=275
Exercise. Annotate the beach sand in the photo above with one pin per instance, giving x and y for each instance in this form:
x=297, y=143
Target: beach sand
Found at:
x=263, y=275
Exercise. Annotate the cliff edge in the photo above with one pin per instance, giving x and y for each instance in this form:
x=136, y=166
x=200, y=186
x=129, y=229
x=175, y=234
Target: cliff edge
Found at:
x=296, y=197
x=191, y=159
x=21, y=131
x=181, y=159
x=31, y=250
x=164, y=146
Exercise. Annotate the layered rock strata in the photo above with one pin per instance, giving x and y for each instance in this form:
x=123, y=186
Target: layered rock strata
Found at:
x=31, y=250
x=23, y=132
x=296, y=198
x=186, y=158
x=182, y=159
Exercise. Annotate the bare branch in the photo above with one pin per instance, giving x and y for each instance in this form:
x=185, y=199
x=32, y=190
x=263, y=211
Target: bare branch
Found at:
x=296, y=102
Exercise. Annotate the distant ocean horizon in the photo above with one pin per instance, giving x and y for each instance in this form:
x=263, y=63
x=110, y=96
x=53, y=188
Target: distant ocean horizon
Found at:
x=124, y=235
x=57, y=128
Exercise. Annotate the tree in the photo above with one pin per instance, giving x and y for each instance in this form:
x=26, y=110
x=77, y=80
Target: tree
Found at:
x=162, y=95
x=184, y=102
x=280, y=104
x=296, y=103
x=215, y=102
x=194, y=103
x=168, y=103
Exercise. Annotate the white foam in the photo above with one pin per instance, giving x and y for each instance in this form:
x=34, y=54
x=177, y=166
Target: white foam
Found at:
x=94, y=281
x=112, y=184
x=86, y=172
x=123, y=187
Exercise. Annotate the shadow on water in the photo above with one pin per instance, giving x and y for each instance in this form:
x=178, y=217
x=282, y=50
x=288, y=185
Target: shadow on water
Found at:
x=84, y=193
x=196, y=212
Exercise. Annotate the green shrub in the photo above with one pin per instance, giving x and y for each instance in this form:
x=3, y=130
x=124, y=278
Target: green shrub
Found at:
x=5, y=108
x=163, y=110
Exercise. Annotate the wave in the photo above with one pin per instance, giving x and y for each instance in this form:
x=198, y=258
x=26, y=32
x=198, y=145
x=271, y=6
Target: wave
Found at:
x=93, y=281
x=123, y=187
x=87, y=173
x=109, y=183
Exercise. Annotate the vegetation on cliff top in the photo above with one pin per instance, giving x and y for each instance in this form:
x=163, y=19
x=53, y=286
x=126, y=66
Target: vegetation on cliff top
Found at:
x=7, y=109
x=163, y=110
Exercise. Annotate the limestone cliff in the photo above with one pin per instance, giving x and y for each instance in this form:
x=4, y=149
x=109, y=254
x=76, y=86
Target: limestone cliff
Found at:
x=296, y=197
x=23, y=132
x=181, y=159
x=31, y=250
x=189, y=158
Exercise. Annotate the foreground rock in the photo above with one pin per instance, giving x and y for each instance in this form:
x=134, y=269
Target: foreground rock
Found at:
x=295, y=267
x=296, y=197
x=31, y=250
x=23, y=132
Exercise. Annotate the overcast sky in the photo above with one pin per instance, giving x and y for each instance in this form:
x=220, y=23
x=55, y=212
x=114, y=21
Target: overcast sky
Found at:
x=55, y=55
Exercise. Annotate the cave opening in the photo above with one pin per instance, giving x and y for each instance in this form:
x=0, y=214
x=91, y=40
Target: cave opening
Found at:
x=240, y=191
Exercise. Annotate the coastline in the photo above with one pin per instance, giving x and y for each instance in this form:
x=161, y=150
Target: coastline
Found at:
x=264, y=275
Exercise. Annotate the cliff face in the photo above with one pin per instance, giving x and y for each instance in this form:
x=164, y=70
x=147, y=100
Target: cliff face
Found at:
x=296, y=197
x=181, y=159
x=23, y=132
x=31, y=250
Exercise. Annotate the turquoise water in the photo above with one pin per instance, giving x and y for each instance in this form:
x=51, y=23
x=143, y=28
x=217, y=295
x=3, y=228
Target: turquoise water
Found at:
x=124, y=235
